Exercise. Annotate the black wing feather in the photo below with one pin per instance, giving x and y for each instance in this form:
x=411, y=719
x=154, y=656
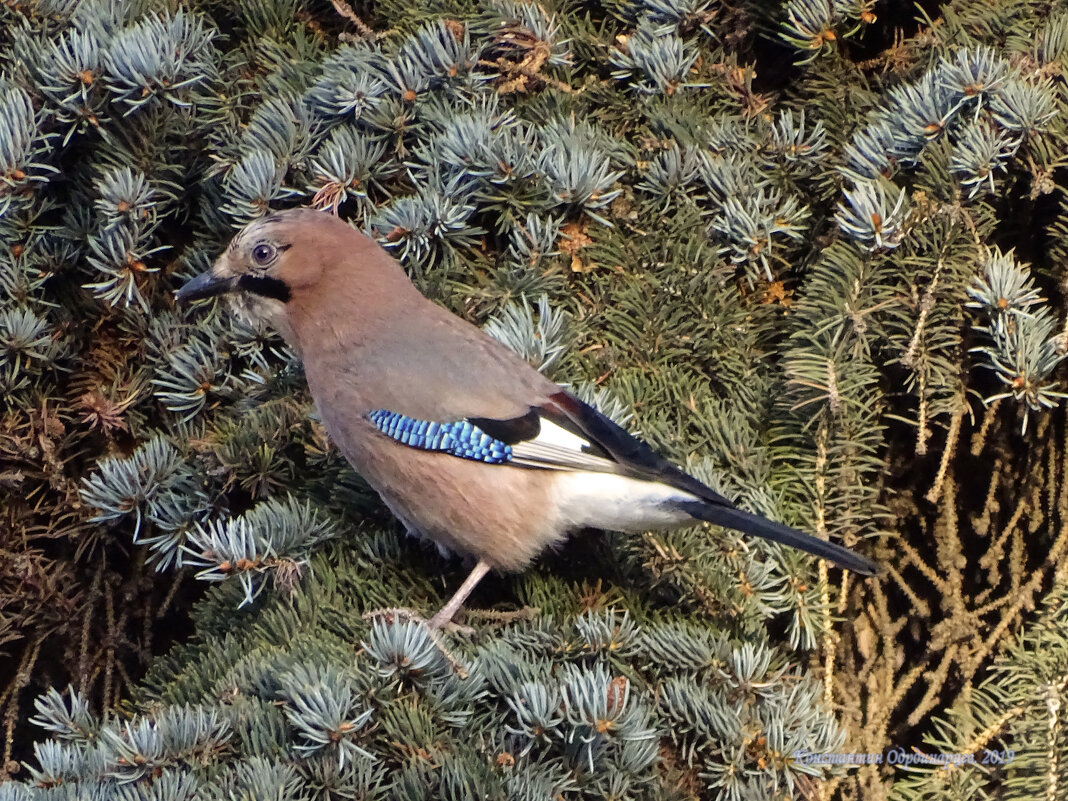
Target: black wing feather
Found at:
x=518, y=429
x=616, y=442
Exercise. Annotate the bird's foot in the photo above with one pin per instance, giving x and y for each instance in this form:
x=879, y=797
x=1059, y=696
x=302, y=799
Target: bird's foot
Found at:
x=443, y=621
x=435, y=624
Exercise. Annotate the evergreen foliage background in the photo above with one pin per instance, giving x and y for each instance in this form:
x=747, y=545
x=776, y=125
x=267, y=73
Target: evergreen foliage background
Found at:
x=814, y=250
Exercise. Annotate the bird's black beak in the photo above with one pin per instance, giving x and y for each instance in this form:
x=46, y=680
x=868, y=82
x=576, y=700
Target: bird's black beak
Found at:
x=205, y=285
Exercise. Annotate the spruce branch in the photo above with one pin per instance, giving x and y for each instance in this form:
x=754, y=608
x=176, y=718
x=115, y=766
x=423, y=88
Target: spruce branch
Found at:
x=160, y=57
x=273, y=538
x=539, y=341
x=660, y=60
x=154, y=485
x=1025, y=348
x=323, y=710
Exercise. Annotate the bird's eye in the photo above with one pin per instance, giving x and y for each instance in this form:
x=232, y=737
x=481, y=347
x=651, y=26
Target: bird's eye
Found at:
x=263, y=253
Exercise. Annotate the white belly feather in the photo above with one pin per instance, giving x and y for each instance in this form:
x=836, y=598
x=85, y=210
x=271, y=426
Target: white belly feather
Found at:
x=617, y=503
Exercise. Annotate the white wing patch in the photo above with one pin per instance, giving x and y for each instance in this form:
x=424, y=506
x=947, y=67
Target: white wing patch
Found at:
x=556, y=448
x=552, y=434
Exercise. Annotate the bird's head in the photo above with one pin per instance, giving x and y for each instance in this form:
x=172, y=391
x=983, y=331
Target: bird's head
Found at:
x=280, y=260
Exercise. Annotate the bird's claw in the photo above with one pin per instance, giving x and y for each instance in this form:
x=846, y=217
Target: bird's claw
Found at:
x=434, y=625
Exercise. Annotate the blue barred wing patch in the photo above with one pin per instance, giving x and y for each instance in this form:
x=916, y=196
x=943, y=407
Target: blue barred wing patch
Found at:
x=459, y=438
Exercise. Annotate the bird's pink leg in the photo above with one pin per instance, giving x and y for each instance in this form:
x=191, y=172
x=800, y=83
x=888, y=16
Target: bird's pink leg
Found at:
x=458, y=598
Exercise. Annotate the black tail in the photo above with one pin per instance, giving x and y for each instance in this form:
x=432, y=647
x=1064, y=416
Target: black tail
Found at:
x=761, y=527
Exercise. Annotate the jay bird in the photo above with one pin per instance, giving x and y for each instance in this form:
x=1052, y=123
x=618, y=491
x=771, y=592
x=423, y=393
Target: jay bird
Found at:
x=465, y=442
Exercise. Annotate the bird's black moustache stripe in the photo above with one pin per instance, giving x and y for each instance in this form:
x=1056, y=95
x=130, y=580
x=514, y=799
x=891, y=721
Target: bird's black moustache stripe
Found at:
x=264, y=286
